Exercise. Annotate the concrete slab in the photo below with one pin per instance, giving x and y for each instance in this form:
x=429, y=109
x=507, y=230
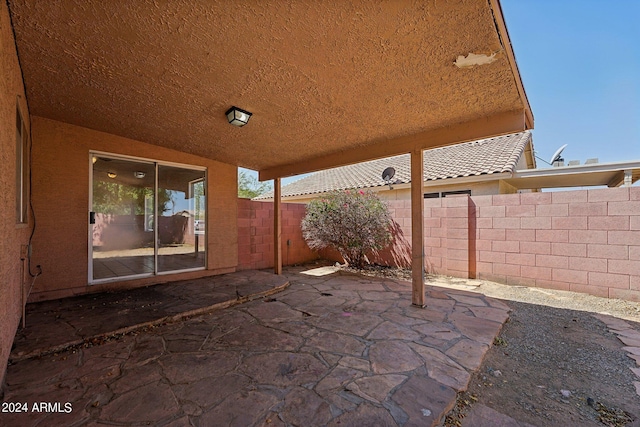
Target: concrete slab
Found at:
x=55, y=325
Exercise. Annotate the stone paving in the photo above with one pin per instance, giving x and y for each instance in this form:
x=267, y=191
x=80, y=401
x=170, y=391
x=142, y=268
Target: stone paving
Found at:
x=629, y=337
x=58, y=324
x=334, y=350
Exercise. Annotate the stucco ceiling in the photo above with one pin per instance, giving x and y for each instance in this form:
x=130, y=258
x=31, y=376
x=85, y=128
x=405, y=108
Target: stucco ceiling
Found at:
x=327, y=82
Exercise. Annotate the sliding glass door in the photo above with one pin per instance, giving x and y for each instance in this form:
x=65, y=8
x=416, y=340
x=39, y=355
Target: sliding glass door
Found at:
x=146, y=218
x=181, y=218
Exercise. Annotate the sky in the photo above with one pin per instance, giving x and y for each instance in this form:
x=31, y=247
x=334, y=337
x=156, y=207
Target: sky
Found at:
x=580, y=66
x=579, y=61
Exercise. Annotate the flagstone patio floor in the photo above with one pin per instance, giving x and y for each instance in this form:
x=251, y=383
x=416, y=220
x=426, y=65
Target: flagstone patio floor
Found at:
x=330, y=349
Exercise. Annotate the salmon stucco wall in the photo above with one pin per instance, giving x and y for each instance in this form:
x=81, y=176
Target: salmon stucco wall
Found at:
x=61, y=203
x=14, y=237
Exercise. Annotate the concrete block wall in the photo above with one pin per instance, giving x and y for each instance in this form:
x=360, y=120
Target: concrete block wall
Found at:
x=584, y=241
x=255, y=235
x=399, y=253
x=446, y=235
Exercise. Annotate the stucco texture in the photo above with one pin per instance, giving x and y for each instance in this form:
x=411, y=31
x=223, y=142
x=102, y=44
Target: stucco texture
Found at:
x=319, y=77
x=13, y=235
x=61, y=202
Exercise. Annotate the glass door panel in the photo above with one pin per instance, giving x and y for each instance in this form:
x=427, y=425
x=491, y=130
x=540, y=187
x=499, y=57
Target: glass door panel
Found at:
x=122, y=217
x=181, y=213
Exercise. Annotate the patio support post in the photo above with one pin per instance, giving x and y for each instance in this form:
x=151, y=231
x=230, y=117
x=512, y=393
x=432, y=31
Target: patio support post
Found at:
x=277, y=229
x=417, y=232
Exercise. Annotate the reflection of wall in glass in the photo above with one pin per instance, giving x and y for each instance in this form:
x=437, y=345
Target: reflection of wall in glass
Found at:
x=145, y=226
x=181, y=233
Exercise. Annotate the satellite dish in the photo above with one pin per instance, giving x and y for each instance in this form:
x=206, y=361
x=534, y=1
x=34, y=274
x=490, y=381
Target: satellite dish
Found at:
x=557, y=155
x=388, y=173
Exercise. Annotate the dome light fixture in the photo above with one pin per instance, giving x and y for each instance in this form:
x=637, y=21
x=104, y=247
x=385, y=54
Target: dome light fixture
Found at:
x=238, y=116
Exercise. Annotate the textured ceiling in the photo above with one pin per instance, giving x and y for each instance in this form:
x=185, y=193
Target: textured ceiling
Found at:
x=319, y=77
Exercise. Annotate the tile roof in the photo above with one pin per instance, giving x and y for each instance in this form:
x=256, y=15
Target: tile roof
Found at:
x=483, y=157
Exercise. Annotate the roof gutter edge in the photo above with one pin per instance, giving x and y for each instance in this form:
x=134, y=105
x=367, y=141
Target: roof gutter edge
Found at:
x=503, y=34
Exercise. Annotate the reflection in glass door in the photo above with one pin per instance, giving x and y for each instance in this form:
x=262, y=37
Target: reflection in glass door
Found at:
x=122, y=236
x=181, y=213
x=146, y=218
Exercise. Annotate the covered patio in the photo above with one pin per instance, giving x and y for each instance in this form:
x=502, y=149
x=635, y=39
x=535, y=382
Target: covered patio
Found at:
x=327, y=84
x=330, y=349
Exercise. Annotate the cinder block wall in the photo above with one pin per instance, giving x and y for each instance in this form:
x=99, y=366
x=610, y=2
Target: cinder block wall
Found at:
x=584, y=241
x=255, y=235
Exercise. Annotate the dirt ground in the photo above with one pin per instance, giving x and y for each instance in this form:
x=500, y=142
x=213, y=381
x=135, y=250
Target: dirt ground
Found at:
x=554, y=363
x=552, y=367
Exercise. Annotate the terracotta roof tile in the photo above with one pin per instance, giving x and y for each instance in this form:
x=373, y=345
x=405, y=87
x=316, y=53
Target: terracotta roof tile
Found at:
x=486, y=156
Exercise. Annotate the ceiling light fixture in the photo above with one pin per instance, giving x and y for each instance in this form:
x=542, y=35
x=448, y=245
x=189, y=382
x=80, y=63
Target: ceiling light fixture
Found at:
x=111, y=175
x=139, y=174
x=238, y=116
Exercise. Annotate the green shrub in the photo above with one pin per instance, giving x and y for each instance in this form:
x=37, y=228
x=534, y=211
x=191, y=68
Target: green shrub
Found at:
x=353, y=222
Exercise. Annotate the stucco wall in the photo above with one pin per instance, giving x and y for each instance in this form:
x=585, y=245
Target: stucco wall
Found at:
x=13, y=236
x=61, y=202
x=477, y=188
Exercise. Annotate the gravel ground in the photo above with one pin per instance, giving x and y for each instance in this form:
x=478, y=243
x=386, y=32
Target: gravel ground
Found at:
x=554, y=363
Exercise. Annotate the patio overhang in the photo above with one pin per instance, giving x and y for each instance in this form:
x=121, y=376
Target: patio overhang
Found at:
x=328, y=83
x=498, y=124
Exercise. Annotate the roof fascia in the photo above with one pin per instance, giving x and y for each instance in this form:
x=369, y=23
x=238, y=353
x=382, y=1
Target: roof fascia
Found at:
x=484, y=127
x=503, y=33
x=567, y=170
x=571, y=176
x=617, y=180
x=528, y=152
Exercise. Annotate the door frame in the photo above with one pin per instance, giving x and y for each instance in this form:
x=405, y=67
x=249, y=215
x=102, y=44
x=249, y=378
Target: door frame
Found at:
x=156, y=163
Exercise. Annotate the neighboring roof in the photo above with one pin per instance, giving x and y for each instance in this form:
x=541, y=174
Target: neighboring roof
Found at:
x=329, y=83
x=593, y=174
x=483, y=157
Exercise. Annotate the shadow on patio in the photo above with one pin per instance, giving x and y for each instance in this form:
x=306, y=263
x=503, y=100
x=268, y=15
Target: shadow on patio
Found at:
x=331, y=349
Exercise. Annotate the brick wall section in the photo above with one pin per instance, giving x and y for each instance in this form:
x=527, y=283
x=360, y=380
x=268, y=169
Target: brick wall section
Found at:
x=585, y=241
x=255, y=235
